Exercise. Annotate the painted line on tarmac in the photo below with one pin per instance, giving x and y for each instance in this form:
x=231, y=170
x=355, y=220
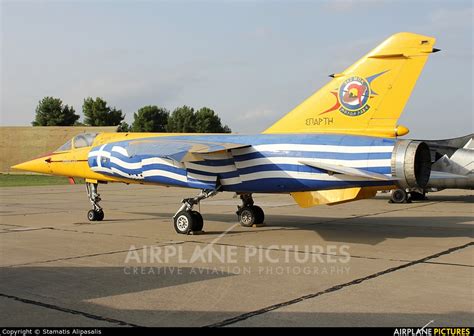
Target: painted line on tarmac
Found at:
x=373, y=214
x=27, y=229
x=69, y=311
x=448, y=264
x=92, y=255
x=267, y=309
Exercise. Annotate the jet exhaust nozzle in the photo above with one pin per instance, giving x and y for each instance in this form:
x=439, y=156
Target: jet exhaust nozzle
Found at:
x=411, y=163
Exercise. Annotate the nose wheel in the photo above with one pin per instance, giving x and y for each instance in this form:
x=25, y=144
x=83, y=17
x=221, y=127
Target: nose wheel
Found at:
x=248, y=213
x=96, y=213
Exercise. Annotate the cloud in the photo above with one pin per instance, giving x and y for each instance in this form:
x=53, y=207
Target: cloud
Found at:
x=254, y=120
x=258, y=113
x=452, y=18
x=347, y=53
x=262, y=32
x=131, y=91
x=350, y=5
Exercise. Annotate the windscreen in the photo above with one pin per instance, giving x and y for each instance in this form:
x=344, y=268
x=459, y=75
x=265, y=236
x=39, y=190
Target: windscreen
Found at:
x=84, y=140
x=65, y=147
x=79, y=141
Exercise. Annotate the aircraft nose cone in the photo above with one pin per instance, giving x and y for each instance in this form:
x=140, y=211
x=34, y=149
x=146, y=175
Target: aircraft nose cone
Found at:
x=40, y=165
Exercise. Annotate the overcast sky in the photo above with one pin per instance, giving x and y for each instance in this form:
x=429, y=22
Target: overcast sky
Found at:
x=251, y=61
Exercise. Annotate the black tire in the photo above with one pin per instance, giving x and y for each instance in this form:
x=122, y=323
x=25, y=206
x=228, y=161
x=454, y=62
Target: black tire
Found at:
x=399, y=196
x=417, y=196
x=100, y=215
x=94, y=215
x=247, y=216
x=198, y=222
x=183, y=222
x=259, y=214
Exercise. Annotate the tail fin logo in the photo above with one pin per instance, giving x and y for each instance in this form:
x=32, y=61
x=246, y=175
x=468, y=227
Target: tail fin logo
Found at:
x=353, y=95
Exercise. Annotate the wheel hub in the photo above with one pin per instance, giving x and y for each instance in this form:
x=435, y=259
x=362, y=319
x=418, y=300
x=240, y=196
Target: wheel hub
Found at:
x=246, y=217
x=182, y=223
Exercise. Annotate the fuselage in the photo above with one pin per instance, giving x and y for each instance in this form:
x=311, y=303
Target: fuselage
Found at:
x=268, y=164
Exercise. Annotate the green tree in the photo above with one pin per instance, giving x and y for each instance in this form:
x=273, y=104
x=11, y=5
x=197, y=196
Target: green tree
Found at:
x=182, y=120
x=207, y=121
x=150, y=119
x=123, y=127
x=51, y=112
x=97, y=113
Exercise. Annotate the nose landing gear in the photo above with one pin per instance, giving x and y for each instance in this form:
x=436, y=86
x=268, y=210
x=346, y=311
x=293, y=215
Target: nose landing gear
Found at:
x=96, y=214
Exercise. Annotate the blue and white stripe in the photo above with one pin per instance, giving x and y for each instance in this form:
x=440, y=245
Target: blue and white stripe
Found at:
x=273, y=163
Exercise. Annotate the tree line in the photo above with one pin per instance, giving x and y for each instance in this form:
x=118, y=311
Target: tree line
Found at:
x=151, y=118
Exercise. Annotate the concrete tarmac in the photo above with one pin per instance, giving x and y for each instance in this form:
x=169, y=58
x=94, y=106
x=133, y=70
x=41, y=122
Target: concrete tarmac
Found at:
x=366, y=263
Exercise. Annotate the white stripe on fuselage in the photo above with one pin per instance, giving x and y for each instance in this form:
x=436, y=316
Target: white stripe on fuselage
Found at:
x=120, y=150
x=210, y=169
x=312, y=148
x=202, y=177
x=294, y=160
x=164, y=173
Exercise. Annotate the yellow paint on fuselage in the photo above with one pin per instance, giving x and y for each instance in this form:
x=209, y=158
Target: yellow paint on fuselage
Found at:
x=70, y=163
x=307, y=199
x=73, y=162
x=105, y=138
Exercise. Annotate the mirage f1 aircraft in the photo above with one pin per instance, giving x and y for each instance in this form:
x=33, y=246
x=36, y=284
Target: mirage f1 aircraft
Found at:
x=339, y=145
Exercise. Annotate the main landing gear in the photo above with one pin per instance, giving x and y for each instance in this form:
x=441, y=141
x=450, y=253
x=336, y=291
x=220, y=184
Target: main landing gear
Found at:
x=249, y=214
x=404, y=196
x=186, y=220
x=400, y=196
x=96, y=214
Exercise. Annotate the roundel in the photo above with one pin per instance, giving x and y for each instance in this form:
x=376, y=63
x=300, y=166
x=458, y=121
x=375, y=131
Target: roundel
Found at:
x=354, y=94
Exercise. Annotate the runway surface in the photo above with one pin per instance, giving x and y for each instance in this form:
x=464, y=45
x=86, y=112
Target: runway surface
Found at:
x=366, y=263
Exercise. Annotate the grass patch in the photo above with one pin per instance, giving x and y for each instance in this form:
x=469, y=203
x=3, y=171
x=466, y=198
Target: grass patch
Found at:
x=24, y=180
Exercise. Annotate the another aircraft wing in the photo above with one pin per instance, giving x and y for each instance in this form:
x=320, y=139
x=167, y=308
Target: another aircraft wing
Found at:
x=469, y=144
x=438, y=175
x=348, y=170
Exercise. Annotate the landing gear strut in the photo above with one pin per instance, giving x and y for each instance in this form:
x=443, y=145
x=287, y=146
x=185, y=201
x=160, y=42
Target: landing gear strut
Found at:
x=249, y=214
x=186, y=220
x=96, y=214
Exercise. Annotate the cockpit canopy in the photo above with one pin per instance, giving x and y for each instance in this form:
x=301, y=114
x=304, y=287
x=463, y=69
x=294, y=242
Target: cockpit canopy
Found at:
x=79, y=141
